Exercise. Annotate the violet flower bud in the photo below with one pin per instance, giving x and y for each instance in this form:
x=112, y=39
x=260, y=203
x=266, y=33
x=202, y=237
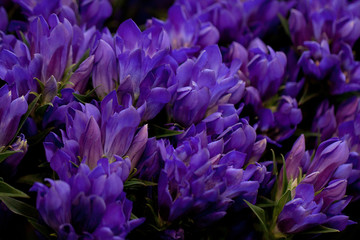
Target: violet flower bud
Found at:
x=11, y=110
x=3, y=19
x=302, y=212
x=53, y=203
x=105, y=73
x=138, y=146
x=328, y=157
x=324, y=121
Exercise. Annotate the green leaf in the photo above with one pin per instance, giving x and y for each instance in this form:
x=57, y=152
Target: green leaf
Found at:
x=85, y=98
x=286, y=197
x=6, y=154
x=284, y=180
x=134, y=183
x=160, y=132
x=26, y=115
x=83, y=58
x=20, y=208
x=8, y=191
x=42, y=85
x=260, y=214
x=284, y=24
x=275, y=170
x=321, y=229
x=24, y=39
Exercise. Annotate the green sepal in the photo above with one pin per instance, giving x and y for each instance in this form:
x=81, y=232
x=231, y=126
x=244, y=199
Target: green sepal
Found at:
x=6, y=154
x=260, y=214
x=20, y=208
x=160, y=132
x=26, y=115
x=8, y=191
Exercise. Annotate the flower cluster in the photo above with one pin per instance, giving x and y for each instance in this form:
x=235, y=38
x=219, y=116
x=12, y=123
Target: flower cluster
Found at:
x=231, y=117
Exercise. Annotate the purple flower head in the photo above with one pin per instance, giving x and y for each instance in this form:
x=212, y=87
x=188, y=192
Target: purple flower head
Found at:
x=347, y=110
x=150, y=163
x=294, y=159
x=238, y=20
x=344, y=77
x=35, y=8
x=187, y=33
x=90, y=14
x=298, y=27
x=307, y=210
x=266, y=70
x=351, y=172
x=53, y=203
x=8, y=167
x=52, y=41
x=11, y=110
x=328, y=157
x=287, y=117
x=324, y=121
x=349, y=131
x=318, y=61
x=89, y=204
x=91, y=134
x=3, y=19
x=105, y=74
x=206, y=81
x=302, y=212
x=194, y=177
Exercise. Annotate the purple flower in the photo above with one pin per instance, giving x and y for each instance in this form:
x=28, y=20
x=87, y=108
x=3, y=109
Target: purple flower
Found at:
x=90, y=14
x=3, y=19
x=11, y=110
x=302, y=212
x=287, y=117
x=91, y=134
x=328, y=157
x=344, y=77
x=204, y=186
x=53, y=203
x=8, y=167
x=89, y=204
x=324, y=121
x=318, y=61
x=105, y=73
x=266, y=69
x=206, y=81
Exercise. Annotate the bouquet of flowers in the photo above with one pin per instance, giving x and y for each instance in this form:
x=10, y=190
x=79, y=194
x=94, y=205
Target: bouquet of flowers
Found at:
x=193, y=119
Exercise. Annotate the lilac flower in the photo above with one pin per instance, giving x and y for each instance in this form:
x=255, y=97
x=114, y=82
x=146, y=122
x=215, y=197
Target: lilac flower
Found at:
x=328, y=157
x=266, y=69
x=11, y=110
x=105, y=72
x=287, y=117
x=204, y=81
x=187, y=33
x=8, y=167
x=91, y=134
x=191, y=174
x=318, y=61
x=347, y=110
x=238, y=20
x=344, y=78
x=302, y=212
x=324, y=121
x=90, y=14
x=89, y=204
x=3, y=19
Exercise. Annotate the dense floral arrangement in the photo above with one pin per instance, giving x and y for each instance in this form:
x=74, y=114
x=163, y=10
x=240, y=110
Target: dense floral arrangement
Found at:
x=199, y=119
